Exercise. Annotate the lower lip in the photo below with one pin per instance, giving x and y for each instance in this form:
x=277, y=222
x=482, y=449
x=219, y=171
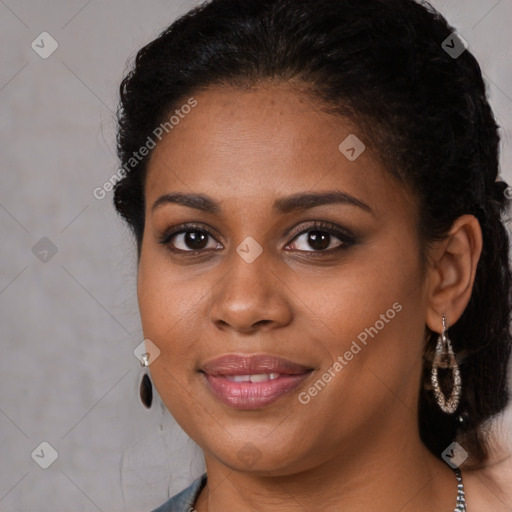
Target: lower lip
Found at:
x=249, y=395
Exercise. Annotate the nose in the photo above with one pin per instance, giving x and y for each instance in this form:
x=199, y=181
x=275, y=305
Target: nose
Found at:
x=250, y=297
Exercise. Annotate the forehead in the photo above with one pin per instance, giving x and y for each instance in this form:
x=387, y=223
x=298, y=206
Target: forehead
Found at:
x=262, y=142
x=263, y=126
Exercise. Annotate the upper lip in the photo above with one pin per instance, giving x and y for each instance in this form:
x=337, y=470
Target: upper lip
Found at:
x=240, y=364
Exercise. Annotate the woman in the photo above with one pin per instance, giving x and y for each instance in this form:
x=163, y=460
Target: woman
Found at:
x=323, y=274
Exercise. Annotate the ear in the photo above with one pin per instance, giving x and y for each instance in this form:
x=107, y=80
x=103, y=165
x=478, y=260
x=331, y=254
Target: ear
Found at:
x=451, y=273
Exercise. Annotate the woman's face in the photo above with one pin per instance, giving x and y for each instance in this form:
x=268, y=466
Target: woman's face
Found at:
x=327, y=318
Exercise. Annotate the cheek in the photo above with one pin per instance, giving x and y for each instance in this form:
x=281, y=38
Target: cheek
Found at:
x=168, y=309
x=373, y=282
x=378, y=319
x=168, y=305
x=373, y=308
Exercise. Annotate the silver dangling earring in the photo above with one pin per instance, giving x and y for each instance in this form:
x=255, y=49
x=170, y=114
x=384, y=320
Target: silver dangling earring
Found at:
x=146, y=388
x=445, y=358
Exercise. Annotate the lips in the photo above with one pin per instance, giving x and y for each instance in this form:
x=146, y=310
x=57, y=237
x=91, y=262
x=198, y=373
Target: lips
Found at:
x=238, y=364
x=252, y=382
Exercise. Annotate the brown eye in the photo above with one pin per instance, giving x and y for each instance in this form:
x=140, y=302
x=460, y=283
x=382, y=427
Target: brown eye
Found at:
x=195, y=240
x=190, y=240
x=315, y=240
x=321, y=238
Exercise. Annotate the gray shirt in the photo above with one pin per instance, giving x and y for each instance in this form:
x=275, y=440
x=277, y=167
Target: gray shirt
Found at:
x=185, y=500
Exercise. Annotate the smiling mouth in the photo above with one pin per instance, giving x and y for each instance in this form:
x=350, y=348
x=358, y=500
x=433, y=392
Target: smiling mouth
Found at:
x=252, y=382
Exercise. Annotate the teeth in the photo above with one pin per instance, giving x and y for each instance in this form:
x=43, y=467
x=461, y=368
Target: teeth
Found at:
x=260, y=377
x=239, y=378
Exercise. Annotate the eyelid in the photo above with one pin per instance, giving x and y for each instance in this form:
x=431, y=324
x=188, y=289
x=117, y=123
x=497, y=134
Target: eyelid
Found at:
x=183, y=228
x=166, y=238
x=346, y=238
x=320, y=225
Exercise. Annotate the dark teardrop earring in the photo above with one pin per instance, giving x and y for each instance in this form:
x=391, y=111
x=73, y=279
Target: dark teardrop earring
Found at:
x=146, y=388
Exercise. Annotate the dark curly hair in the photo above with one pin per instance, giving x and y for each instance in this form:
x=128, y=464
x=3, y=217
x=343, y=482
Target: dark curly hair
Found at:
x=424, y=113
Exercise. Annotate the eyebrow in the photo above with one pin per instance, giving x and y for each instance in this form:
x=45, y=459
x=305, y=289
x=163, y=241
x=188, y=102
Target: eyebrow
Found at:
x=283, y=205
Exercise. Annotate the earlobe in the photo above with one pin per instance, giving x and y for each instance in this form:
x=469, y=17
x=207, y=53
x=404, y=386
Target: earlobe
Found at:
x=452, y=269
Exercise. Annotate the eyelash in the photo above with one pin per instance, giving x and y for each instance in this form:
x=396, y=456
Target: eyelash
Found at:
x=344, y=236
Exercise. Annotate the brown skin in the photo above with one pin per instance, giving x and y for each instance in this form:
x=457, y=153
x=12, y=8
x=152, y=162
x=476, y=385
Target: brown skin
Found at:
x=356, y=444
x=490, y=487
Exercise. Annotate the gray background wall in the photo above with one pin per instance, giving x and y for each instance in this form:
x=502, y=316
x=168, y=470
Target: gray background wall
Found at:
x=69, y=324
